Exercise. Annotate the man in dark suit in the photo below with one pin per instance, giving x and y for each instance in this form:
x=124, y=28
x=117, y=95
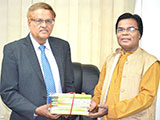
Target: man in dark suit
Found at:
x=23, y=87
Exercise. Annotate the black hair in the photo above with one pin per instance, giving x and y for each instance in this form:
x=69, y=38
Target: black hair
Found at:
x=136, y=17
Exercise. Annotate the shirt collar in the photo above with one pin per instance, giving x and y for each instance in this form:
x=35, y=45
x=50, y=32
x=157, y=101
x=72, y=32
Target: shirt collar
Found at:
x=127, y=53
x=36, y=44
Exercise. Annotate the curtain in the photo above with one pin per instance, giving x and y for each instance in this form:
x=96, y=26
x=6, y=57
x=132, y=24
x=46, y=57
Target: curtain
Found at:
x=88, y=25
x=149, y=11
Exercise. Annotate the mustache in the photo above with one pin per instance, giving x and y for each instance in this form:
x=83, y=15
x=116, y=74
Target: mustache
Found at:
x=125, y=38
x=43, y=30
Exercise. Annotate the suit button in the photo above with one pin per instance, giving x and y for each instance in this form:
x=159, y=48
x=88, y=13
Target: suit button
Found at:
x=44, y=97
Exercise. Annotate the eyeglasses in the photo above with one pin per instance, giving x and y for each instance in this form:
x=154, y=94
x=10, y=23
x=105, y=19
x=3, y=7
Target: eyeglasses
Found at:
x=40, y=21
x=130, y=29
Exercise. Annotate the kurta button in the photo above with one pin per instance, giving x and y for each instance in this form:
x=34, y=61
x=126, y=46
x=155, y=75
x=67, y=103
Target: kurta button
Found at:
x=122, y=90
x=124, y=76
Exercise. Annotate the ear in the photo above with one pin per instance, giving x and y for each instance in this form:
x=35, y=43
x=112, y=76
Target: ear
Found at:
x=139, y=35
x=29, y=22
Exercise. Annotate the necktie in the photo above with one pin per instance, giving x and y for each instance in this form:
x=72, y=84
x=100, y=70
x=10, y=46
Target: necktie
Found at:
x=48, y=77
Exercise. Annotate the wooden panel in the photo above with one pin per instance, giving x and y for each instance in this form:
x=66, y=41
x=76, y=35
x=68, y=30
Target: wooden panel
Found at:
x=24, y=24
x=73, y=28
x=96, y=30
x=14, y=19
x=3, y=25
x=106, y=32
x=84, y=30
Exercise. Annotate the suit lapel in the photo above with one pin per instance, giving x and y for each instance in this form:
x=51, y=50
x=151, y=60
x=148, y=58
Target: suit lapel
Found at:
x=30, y=52
x=56, y=50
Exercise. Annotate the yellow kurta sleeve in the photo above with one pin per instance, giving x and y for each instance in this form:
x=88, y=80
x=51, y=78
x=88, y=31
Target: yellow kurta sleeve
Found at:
x=147, y=92
x=98, y=88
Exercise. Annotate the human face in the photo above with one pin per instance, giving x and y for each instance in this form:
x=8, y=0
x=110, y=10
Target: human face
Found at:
x=128, y=40
x=40, y=31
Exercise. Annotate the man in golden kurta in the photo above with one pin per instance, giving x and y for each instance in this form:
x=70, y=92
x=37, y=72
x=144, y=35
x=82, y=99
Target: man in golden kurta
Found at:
x=129, y=78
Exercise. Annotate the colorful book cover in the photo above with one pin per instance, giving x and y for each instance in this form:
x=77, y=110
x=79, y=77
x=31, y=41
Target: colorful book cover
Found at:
x=70, y=104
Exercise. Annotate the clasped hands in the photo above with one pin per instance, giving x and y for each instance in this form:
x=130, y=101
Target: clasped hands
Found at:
x=102, y=110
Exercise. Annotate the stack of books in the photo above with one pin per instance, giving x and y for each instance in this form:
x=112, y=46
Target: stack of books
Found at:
x=70, y=104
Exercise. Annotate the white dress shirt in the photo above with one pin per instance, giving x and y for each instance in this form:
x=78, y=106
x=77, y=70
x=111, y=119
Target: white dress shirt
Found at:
x=51, y=60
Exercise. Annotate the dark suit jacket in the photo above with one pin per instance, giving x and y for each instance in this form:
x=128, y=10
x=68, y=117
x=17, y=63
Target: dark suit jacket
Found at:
x=22, y=84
